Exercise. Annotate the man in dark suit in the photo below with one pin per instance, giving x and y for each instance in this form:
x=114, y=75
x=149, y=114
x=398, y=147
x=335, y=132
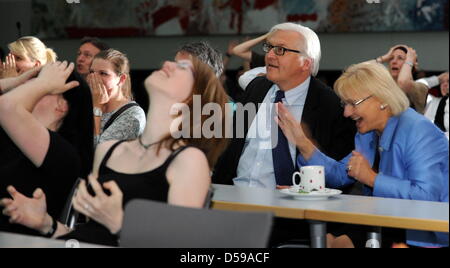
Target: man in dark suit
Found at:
x=292, y=60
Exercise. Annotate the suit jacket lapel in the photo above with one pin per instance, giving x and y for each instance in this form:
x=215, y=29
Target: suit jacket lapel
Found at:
x=257, y=91
x=310, y=112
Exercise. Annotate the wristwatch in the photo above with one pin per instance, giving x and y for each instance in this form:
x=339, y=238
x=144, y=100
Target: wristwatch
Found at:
x=53, y=230
x=98, y=112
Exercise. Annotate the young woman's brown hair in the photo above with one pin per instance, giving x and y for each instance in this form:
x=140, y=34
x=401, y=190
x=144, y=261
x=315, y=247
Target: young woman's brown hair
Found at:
x=210, y=90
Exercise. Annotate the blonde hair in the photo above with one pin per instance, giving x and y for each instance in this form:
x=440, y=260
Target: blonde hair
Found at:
x=121, y=66
x=34, y=49
x=374, y=79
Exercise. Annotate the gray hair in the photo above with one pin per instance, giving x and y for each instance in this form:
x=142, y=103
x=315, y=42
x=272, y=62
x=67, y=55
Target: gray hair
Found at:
x=206, y=53
x=312, y=44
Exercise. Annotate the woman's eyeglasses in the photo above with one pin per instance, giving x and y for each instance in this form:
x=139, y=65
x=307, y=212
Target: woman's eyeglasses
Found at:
x=356, y=103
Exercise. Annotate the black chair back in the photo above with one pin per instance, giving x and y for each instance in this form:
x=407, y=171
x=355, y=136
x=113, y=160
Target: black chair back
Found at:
x=69, y=216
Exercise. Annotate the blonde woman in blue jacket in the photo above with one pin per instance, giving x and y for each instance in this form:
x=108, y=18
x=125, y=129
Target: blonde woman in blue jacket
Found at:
x=412, y=161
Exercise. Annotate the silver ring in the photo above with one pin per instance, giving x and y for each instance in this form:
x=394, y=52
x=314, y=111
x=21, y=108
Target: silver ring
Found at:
x=349, y=167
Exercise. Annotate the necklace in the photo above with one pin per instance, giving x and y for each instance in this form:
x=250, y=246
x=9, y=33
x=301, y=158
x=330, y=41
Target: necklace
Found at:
x=146, y=146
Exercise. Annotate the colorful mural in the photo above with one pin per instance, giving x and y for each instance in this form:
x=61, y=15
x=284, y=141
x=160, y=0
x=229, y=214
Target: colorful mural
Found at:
x=109, y=18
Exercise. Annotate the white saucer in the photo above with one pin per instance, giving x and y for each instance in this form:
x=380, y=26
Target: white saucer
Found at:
x=316, y=195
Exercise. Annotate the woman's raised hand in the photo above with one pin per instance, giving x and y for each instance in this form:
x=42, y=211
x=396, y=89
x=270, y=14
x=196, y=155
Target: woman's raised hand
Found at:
x=55, y=75
x=291, y=128
x=8, y=68
x=411, y=56
x=99, y=93
x=294, y=131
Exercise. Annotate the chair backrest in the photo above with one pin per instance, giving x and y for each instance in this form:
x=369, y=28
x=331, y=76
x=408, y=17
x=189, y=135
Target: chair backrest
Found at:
x=159, y=225
x=69, y=216
x=209, y=197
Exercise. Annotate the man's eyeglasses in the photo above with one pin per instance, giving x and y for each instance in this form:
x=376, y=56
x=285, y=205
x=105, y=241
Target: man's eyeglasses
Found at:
x=279, y=51
x=356, y=103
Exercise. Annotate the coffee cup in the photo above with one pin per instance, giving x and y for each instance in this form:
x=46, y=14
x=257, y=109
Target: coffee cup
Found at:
x=312, y=178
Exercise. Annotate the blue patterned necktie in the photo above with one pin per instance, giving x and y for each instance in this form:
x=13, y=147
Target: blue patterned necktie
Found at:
x=282, y=160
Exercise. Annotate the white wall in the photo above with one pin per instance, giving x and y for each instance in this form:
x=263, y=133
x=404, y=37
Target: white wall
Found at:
x=338, y=50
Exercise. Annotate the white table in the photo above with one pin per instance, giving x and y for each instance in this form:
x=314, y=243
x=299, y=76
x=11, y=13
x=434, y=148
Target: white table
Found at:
x=364, y=210
x=9, y=240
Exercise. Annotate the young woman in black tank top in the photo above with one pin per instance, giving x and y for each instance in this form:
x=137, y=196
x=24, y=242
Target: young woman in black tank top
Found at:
x=156, y=166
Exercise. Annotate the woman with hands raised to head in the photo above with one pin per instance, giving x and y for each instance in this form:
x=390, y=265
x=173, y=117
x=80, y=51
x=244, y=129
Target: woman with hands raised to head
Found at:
x=402, y=62
x=388, y=160
x=45, y=135
x=160, y=165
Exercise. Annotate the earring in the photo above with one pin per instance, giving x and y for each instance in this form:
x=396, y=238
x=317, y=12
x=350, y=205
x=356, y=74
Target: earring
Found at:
x=384, y=106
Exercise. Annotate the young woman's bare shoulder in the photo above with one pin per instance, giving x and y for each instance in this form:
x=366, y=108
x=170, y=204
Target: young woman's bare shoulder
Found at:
x=104, y=147
x=190, y=162
x=191, y=155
